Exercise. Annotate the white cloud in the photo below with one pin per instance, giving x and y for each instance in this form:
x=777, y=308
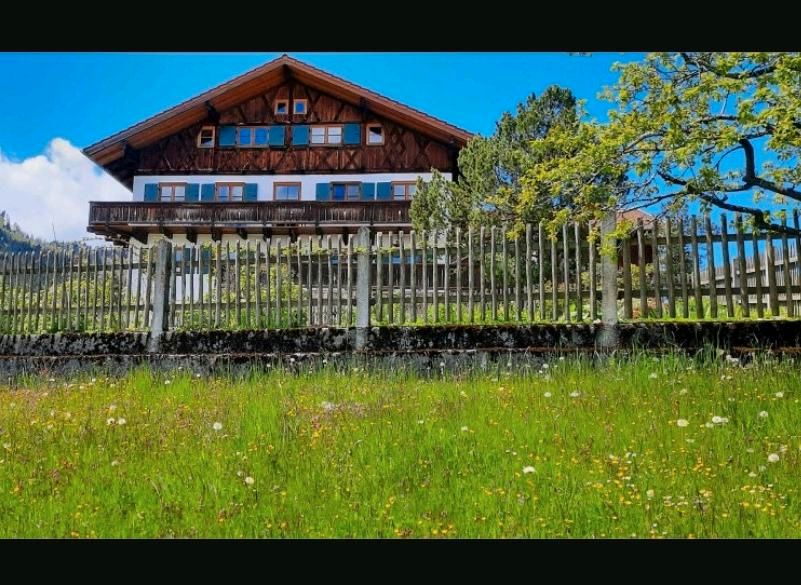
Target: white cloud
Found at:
x=53, y=190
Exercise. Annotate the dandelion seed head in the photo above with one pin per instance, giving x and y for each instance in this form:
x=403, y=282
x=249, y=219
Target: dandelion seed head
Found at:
x=217, y=426
x=682, y=422
x=650, y=494
x=653, y=375
x=779, y=394
x=249, y=480
x=121, y=421
x=465, y=429
x=773, y=458
x=110, y=420
x=529, y=469
x=763, y=414
x=575, y=394
x=547, y=395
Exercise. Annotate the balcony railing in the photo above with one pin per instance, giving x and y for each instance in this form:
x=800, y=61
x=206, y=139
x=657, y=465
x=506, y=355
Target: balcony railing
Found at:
x=273, y=213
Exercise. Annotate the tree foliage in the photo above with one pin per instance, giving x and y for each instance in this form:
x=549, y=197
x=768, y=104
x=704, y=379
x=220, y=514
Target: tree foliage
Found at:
x=723, y=129
x=492, y=169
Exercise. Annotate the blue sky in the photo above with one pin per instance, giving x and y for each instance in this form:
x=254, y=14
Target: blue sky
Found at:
x=85, y=97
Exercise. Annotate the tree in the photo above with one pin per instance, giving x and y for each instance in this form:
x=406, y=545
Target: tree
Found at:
x=492, y=169
x=723, y=129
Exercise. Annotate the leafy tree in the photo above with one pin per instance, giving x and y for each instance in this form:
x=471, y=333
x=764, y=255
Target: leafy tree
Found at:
x=723, y=129
x=492, y=169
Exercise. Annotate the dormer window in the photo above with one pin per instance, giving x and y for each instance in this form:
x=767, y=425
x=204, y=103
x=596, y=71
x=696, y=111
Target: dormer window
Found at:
x=281, y=107
x=205, y=138
x=375, y=134
x=300, y=107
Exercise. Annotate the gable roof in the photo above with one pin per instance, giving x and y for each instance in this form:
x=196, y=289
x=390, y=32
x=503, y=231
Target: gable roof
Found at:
x=257, y=81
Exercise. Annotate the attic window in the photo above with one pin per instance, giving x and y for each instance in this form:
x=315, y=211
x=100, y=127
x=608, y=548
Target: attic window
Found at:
x=205, y=138
x=375, y=134
x=282, y=107
x=300, y=107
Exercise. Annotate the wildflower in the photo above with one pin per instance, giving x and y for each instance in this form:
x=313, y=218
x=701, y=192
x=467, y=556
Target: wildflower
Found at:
x=197, y=375
x=249, y=480
x=441, y=364
x=217, y=426
x=528, y=469
x=732, y=360
x=7, y=446
x=683, y=391
x=763, y=414
x=653, y=375
x=115, y=463
x=546, y=366
x=547, y=395
x=52, y=380
x=752, y=474
x=682, y=422
x=575, y=394
x=561, y=358
x=110, y=420
x=112, y=407
x=167, y=382
x=465, y=429
x=709, y=425
x=121, y=421
x=649, y=494
x=779, y=394
x=773, y=458
x=719, y=420
x=421, y=422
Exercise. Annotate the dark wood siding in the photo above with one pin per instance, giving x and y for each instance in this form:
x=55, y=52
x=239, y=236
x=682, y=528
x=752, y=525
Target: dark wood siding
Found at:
x=404, y=150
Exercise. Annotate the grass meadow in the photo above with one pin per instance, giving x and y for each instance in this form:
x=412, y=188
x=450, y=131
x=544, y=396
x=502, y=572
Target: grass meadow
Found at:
x=645, y=447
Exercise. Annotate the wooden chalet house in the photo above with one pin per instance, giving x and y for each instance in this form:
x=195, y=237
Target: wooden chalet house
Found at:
x=283, y=150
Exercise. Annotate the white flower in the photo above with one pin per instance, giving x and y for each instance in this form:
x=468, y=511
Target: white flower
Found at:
x=561, y=358
x=763, y=414
x=575, y=394
x=110, y=420
x=528, y=469
x=779, y=394
x=6, y=446
x=441, y=364
x=773, y=458
x=682, y=422
x=709, y=425
x=217, y=426
x=732, y=360
x=653, y=375
x=547, y=394
x=465, y=429
x=752, y=474
x=545, y=366
x=115, y=463
x=683, y=391
x=197, y=375
x=121, y=421
x=249, y=480
x=719, y=420
x=167, y=382
x=421, y=422
x=649, y=494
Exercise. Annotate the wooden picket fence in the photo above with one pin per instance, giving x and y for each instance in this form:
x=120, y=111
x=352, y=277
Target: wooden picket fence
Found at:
x=702, y=271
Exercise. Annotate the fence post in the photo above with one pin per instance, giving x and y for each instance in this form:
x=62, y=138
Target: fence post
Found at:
x=161, y=293
x=608, y=337
x=362, y=287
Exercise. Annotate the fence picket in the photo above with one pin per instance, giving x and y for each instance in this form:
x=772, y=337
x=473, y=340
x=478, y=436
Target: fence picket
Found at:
x=724, y=243
x=669, y=269
x=685, y=301
x=741, y=266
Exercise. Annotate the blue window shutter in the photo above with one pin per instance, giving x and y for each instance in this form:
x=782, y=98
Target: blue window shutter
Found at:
x=300, y=135
x=207, y=192
x=192, y=191
x=251, y=192
x=277, y=134
x=368, y=190
x=322, y=192
x=151, y=191
x=352, y=134
x=227, y=135
x=384, y=191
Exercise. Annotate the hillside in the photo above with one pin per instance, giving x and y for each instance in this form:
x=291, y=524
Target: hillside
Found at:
x=13, y=239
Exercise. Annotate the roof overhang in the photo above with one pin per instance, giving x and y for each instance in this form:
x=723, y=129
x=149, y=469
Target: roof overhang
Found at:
x=258, y=81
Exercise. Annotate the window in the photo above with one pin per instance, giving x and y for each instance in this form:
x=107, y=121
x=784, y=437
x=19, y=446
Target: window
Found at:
x=404, y=190
x=343, y=191
x=205, y=138
x=282, y=107
x=244, y=136
x=326, y=135
x=300, y=107
x=286, y=191
x=229, y=191
x=375, y=134
x=172, y=191
x=260, y=137
x=252, y=136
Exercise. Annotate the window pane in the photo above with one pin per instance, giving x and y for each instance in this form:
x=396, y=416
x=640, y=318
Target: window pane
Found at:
x=179, y=192
x=317, y=135
x=260, y=136
x=281, y=107
x=398, y=191
x=222, y=192
x=166, y=193
x=244, y=136
x=236, y=193
x=206, y=138
x=339, y=192
x=293, y=191
x=300, y=107
x=375, y=135
x=412, y=189
x=354, y=191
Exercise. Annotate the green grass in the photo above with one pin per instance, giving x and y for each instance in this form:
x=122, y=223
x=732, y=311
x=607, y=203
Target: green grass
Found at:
x=388, y=454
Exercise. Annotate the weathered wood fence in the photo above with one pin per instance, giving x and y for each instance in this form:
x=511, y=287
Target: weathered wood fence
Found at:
x=663, y=269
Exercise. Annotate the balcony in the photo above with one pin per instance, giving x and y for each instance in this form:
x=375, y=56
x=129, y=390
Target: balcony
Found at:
x=123, y=220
